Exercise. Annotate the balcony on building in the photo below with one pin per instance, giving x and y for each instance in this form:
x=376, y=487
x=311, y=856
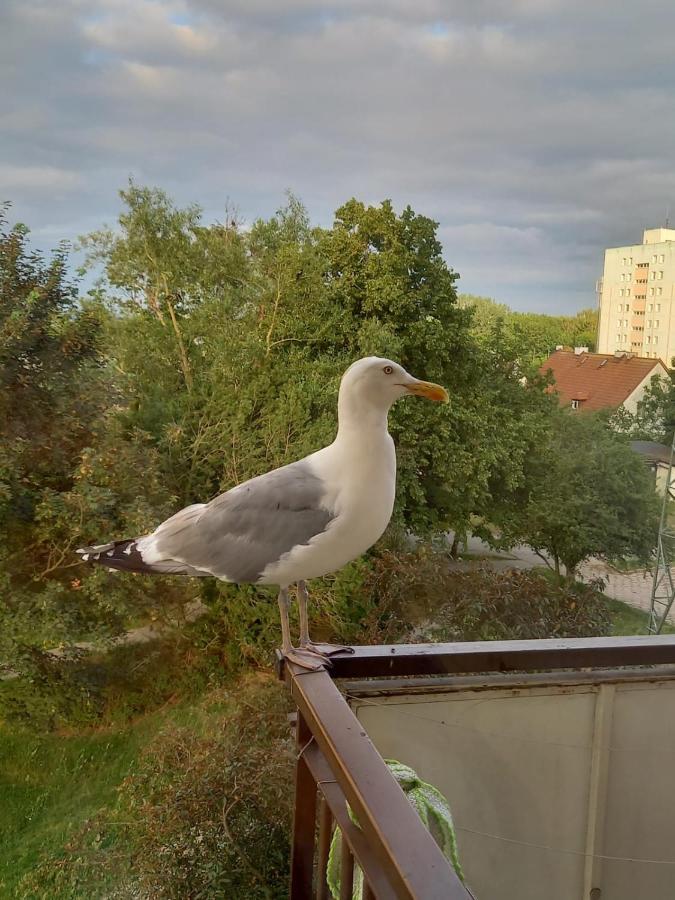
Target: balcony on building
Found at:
x=555, y=757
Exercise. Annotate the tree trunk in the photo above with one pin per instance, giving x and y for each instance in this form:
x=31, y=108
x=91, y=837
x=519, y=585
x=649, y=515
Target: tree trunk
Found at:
x=184, y=364
x=455, y=545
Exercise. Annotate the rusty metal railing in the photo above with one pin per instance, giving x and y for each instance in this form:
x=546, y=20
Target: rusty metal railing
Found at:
x=339, y=765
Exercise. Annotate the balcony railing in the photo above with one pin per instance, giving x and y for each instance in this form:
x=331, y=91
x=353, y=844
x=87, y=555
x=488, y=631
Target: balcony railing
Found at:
x=338, y=765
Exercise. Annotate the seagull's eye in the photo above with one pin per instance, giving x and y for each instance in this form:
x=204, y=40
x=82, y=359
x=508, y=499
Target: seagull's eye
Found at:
x=388, y=370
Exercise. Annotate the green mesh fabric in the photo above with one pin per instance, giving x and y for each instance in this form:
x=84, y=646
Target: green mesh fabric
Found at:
x=433, y=810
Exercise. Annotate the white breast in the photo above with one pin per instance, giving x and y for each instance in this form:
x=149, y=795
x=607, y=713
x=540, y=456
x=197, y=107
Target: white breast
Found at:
x=361, y=488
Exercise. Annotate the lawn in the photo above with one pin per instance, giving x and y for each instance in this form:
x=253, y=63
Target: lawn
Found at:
x=50, y=786
x=627, y=620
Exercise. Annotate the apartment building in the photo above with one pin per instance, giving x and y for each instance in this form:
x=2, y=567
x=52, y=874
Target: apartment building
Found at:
x=637, y=297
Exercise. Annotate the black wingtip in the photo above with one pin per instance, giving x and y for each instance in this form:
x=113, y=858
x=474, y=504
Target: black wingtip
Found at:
x=122, y=555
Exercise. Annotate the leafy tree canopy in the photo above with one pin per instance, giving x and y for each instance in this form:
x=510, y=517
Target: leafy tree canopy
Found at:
x=531, y=336
x=587, y=494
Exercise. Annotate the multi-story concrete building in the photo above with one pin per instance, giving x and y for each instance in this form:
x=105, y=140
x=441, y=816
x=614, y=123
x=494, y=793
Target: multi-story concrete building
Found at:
x=637, y=297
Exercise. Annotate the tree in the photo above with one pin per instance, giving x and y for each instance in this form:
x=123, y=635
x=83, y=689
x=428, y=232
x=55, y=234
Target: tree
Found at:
x=654, y=419
x=266, y=358
x=49, y=382
x=166, y=261
x=532, y=336
x=587, y=494
x=68, y=466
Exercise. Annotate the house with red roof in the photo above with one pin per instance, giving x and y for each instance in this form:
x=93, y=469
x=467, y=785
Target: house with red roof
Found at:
x=592, y=381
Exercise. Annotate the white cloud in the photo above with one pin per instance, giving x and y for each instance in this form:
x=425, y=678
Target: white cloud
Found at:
x=536, y=132
x=37, y=178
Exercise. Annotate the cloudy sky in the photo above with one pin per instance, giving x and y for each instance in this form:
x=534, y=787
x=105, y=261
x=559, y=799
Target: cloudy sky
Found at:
x=536, y=132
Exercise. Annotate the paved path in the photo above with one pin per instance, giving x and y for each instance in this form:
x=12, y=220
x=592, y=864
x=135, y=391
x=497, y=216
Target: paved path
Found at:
x=633, y=588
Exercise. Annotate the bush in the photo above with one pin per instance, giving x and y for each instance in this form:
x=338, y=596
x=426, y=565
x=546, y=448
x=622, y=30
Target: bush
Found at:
x=212, y=810
x=418, y=597
x=205, y=813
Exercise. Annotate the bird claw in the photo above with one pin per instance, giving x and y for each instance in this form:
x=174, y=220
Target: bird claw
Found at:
x=307, y=658
x=327, y=650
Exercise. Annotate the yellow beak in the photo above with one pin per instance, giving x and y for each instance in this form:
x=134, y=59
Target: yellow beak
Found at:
x=429, y=390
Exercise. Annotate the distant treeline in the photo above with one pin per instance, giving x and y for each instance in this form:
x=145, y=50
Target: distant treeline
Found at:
x=532, y=336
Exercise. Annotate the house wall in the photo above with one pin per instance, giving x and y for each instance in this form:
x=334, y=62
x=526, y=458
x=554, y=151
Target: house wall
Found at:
x=631, y=402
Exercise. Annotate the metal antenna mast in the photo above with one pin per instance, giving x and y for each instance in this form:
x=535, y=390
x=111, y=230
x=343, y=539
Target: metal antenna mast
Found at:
x=663, y=585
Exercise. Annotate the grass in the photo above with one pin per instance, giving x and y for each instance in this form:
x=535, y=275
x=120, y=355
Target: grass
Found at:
x=627, y=620
x=112, y=812
x=52, y=784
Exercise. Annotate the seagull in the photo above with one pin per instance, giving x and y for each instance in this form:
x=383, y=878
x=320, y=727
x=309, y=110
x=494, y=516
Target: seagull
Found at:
x=301, y=521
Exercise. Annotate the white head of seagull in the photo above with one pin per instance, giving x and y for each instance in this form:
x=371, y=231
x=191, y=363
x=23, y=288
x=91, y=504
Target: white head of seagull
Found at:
x=371, y=385
x=301, y=521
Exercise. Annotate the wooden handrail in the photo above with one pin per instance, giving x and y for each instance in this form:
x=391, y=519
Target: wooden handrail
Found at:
x=407, y=854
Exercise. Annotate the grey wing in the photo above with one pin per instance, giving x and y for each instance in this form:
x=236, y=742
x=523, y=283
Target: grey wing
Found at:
x=238, y=534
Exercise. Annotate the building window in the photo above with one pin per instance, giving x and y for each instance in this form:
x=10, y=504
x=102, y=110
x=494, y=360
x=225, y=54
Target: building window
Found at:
x=656, y=338
x=575, y=404
x=656, y=323
x=648, y=339
x=662, y=258
x=627, y=292
x=654, y=258
x=651, y=276
x=651, y=291
x=659, y=291
x=649, y=323
x=659, y=275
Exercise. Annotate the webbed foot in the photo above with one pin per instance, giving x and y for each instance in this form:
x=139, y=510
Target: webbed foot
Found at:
x=308, y=658
x=327, y=649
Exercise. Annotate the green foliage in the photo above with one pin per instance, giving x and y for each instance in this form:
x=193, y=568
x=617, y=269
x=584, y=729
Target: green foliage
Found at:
x=654, y=419
x=265, y=367
x=202, y=807
x=52, y=786
x=586, y=495
x=531, y=336
x=206, y=356
x=629, y=620
x=109, y=684
x=420, y=597
x=217, y=827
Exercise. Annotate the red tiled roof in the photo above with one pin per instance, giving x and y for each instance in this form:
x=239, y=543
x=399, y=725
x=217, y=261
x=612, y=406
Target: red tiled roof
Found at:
x=599, y=380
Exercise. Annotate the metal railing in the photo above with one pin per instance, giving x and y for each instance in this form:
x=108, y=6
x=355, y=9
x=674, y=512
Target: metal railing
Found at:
x=337, y=763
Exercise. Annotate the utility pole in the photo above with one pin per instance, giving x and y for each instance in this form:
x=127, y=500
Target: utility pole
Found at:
x=663, y=585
